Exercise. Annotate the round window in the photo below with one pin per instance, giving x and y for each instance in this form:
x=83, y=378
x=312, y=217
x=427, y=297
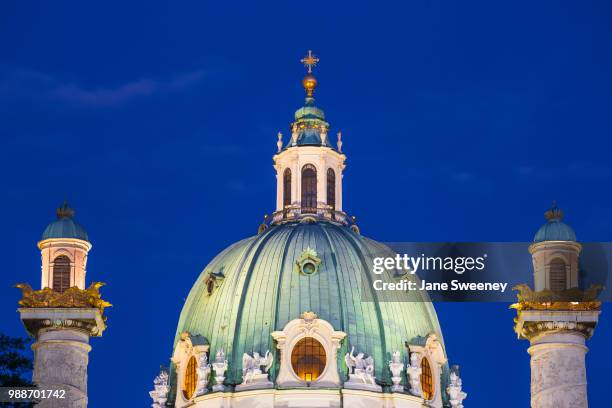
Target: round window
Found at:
x=308, y=359
x=309, y=268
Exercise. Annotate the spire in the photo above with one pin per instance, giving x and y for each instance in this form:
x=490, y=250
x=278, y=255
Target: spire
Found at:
x=309, y=127
x=309, y=82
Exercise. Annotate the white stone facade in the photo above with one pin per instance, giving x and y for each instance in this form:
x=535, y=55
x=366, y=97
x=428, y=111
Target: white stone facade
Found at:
x=328, y=390
x=324, y=333
x=75, y=249
x=543, y=253
x=433, y=352
x=322, y=158
x=306, y=398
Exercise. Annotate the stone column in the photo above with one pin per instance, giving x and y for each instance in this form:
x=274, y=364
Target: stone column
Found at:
x=61, y=351
x=558, y=373
x=60, y=362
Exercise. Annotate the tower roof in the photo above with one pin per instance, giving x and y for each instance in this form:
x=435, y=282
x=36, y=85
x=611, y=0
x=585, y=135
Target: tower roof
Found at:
x=554, y=229
x=65, y=226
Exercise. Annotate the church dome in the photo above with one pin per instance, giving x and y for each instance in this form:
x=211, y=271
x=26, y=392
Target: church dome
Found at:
x=554, y=229
x=65, y=226
x=294, y=308
x=257, y=285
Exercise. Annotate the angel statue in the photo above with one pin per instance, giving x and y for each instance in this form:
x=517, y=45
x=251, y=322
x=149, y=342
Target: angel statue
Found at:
x=360, y=367
x=252, y=366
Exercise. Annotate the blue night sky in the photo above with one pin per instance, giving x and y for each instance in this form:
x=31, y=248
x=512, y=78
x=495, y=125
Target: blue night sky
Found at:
x=461, y=121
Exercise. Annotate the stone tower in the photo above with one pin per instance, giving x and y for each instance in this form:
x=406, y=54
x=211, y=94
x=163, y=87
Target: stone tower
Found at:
x=557, y=317
x=63, y=314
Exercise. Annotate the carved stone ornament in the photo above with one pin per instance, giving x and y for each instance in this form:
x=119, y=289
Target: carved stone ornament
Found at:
x=192, y=345
x=203, y=374
x=558, y=375
x=160, y=390
x=396, y=366
x=308, y=317
x=455, y=394
x=434, y=353
x=255, y=371
x=308, y=325
x=220, y=367
x=73, y=297
x=361, y=372
x=414, y=374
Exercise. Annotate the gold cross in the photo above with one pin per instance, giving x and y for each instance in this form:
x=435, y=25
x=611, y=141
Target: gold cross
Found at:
x=309, y=61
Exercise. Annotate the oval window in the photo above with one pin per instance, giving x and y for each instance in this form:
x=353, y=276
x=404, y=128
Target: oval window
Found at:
x=308, y=359
x=427, y=385
x=189, y=382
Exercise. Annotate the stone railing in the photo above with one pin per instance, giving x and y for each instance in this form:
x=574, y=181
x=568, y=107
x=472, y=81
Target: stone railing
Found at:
x=296, y=212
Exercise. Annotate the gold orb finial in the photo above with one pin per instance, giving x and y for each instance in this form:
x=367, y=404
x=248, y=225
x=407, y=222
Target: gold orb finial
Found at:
x=309, y=82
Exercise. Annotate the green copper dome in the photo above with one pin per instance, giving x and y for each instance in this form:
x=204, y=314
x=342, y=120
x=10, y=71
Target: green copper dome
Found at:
x=65, y=226
x=255, y=287
x=554, y=229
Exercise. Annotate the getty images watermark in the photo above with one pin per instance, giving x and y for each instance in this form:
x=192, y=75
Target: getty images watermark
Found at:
x=406, y=264
x=467, y=271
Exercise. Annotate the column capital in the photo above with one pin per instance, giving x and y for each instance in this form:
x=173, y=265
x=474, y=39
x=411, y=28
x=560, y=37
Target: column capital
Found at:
x=531, y=324
x=86, y=320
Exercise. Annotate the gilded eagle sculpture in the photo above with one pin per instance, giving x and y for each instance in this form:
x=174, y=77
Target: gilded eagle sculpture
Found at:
x=71, y=297
x=568, y=299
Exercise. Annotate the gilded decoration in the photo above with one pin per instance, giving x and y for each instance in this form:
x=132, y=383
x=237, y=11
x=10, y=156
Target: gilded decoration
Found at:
x=568, y=299
x=71, y=298
x=308, y=262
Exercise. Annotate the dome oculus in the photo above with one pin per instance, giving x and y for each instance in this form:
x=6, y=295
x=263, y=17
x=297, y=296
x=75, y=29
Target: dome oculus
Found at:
x=308, y=262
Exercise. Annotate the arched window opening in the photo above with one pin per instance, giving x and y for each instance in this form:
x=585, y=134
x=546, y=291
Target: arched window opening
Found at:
x=61, y=273
x=331, y=189
x=190, y=379
x=558, y=275
x=427, y=385
x=287, y=187
x=309, y=189
x=308, y=359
